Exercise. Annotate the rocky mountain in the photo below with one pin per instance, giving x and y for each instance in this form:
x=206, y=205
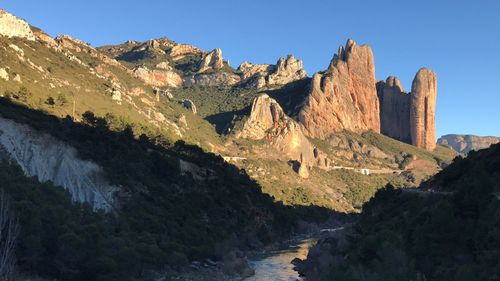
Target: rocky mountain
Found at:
x=261, y=75
x=344, y=96
x=11, y=26
x=189, y=66
x=267, y=120
x=186, y=156
x=467, y=143
x=409, y=117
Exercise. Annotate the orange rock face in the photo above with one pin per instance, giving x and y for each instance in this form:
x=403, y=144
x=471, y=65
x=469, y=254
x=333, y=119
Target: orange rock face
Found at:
x=344, y=97
x=409, y=117
x=423, y=109
x=268, y=121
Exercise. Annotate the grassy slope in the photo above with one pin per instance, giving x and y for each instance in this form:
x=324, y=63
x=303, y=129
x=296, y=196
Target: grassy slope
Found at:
x=76, y=83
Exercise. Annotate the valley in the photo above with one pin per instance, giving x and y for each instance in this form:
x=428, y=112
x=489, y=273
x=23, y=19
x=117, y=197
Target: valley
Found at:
x=158, y=160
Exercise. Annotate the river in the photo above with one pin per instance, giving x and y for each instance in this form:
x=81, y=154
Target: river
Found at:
x=275, y=264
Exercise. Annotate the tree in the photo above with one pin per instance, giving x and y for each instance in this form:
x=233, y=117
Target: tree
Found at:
x=9, y=231
x=50, y=101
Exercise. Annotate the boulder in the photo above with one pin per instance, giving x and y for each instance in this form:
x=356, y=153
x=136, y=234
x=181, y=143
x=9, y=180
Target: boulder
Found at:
x=303, y=171
x=3, y=74
x=423, y=109
x=344, y=97
x=189, y=104
x=12, y=26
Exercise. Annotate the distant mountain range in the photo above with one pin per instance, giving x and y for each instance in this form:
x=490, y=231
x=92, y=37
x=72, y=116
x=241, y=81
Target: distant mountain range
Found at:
x=466, y=143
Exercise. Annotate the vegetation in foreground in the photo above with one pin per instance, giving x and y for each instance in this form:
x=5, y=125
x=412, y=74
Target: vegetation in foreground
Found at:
x=451, y=232
x=166, y=218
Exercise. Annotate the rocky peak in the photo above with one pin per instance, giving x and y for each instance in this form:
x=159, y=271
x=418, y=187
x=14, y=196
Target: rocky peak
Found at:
x=423, y=109
x=268, y=121
x=71, y=43
x=12, y=26
x=344, y=97
x=211, y=61
x=261, y=75
x=286, y=71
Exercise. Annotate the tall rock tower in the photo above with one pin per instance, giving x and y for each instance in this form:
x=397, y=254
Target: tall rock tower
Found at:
x=409, y=117
x=423, y=109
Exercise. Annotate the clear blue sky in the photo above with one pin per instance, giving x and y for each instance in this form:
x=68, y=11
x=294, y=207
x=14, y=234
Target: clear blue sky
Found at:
x=458, y=39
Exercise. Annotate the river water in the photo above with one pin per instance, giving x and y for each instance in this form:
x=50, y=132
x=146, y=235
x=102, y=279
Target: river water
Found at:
x=275, y=264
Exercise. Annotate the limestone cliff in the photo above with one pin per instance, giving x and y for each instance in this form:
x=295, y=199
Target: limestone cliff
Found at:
x=42, y=156
x=466, y=143
x=211, y=61
x=344, y=97
x=268, y=121
x=11, y=26
x=423, y=109
x=158, y=77
x=261, y=75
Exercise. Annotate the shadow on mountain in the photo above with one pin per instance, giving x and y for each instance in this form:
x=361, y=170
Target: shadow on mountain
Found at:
x=223, y=121
x=291, y=95
x=168, y=215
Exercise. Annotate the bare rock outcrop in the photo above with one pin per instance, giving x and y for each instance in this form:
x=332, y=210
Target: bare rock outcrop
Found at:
x=394, y=109
x=261, y=75
x=286, y=71
x=423, y=109
x=467, y=143
x=12, y=26
x=189, y=104
x=41, y=155
x=344, y=97
x=211, y=61
x=268, y=121
x=158, y=77
x=180, y=51
x=214, y=79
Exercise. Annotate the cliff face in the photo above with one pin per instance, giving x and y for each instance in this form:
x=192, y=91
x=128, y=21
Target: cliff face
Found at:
x=344, y=97
x=267, y=120
x=409, y=117
x=466, y=143
x=394, y=109
x=423, y=109
x=42, y=156
x=11, y=26
x=261, y=75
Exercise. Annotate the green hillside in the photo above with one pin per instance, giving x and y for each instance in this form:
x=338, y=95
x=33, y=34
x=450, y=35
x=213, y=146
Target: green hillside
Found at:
x=448, y=233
